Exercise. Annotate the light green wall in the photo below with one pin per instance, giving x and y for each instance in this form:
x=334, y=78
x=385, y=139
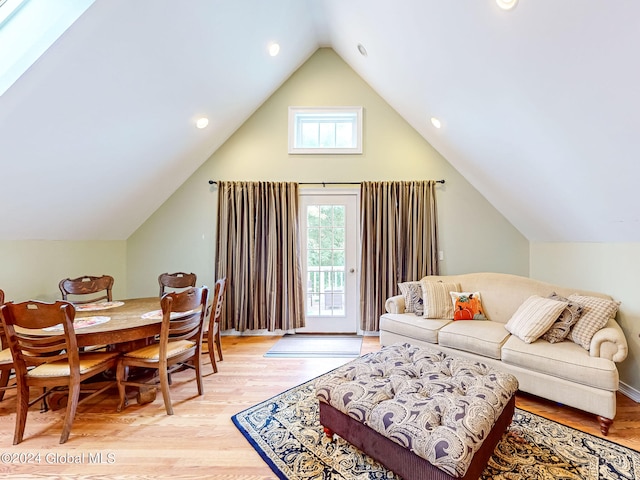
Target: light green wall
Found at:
x=31, y=269
x=611, y=268
x=180, y=235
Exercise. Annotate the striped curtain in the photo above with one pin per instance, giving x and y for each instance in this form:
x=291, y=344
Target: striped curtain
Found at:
x=399, y=241
x=258, y=250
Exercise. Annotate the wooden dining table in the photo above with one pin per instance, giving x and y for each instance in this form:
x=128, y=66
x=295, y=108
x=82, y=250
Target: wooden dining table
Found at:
x=129, y=322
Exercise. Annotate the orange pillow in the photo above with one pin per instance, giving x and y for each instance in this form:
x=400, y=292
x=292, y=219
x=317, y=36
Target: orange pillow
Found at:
x=467, y=306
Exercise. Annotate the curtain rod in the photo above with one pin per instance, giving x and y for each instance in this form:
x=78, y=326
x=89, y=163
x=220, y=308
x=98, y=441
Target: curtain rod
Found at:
x=213, y=182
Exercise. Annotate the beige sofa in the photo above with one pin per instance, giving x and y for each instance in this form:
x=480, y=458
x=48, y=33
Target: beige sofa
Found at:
x=564, y=372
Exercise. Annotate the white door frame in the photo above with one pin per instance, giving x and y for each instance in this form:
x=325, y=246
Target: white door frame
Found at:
x=352, y=304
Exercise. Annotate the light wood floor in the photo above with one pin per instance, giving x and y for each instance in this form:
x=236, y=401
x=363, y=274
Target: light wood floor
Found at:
x=200, y=441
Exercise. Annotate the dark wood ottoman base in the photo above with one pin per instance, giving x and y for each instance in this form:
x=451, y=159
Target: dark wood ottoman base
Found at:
x=398, y=459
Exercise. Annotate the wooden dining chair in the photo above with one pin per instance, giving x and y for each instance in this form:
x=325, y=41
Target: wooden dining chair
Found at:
x=87, y=285
x=6, y=360
x=175, y=281
x=180, y=342
x=213, y=332
x=52, y=363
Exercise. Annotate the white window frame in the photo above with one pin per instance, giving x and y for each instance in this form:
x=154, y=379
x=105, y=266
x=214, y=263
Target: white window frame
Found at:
x=295, y=123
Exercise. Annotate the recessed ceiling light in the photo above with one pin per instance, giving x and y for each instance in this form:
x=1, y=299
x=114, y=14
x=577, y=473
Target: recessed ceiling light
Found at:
x=274, y=49
x=507, y=4
x=202, y=122
x=362, y=50
x=436, y=122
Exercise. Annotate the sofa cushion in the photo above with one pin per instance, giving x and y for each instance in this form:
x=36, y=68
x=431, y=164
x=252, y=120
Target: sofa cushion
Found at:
x=534, y=317
x=596, y=312
x=481, y=338
x=564, y=360
x=412, y=293
x=467, y=306
x=567, y=319
x=437, y=301
x=420, y=328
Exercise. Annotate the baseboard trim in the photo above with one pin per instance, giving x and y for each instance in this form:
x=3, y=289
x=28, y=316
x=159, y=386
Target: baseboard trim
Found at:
x=630, y=392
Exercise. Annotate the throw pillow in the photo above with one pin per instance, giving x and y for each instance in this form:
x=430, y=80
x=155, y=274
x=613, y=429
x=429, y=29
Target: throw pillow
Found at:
x=412, y=293
x=534, y=317
x=596, y=312
x=437, y=301
x=467, y=306
x=567, y=319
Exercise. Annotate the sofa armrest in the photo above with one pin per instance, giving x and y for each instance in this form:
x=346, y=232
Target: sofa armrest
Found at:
x=395, y=304
x=609, y=343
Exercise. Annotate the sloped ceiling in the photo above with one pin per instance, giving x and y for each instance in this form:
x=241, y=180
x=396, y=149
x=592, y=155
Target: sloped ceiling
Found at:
x=540, y=105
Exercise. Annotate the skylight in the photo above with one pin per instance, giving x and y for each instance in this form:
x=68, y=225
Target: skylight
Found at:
x=7, y=7
x=28, y=28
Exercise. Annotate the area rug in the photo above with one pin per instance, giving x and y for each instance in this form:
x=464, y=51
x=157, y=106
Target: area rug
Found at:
x=285, y=431
x=306, y=345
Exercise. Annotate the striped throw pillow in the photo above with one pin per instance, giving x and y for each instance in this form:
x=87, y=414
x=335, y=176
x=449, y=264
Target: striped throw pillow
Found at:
x=437, y=299
x=534, y=317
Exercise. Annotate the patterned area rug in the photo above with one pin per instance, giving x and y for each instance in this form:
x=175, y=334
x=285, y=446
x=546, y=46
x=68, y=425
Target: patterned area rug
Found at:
x=286, y=432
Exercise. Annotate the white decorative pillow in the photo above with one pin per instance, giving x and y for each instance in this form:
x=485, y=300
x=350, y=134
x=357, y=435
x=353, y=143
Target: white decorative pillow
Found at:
x=596, y=312
x=534, y=317
x=412, y=293
x=437, y=301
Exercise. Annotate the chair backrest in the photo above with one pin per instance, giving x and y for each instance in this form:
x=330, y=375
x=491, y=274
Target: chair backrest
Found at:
x=31, y=350
x=218, y=300
x=87, y=285
x=176, y=280
x=3, y=337
x=183, y=315
x=6, y=359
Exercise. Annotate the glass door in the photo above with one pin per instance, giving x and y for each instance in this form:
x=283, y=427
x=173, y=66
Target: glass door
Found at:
x=329, y=237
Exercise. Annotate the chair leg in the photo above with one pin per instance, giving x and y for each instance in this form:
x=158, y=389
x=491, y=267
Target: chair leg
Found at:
x=219, y=344
x=212, y=356
x=212, y=350
x=44, y=406
x=4, y=381
x=164, y=386
x=22, y=407
x=197, y=363
x=121, y=376
x=72, y=406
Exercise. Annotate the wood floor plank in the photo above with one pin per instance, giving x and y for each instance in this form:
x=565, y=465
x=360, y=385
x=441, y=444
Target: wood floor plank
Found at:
x=200, y=440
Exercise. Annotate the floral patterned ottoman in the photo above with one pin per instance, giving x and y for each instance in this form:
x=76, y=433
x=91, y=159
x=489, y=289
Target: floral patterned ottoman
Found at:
x=420, y=412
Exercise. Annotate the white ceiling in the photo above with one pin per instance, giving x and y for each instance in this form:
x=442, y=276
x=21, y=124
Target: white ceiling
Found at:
x=540, y=105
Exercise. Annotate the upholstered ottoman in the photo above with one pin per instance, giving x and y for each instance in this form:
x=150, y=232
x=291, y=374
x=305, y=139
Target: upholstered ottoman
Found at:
x=419, y=412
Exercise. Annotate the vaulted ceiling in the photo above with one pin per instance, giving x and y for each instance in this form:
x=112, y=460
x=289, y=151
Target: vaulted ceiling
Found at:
x=540, y=105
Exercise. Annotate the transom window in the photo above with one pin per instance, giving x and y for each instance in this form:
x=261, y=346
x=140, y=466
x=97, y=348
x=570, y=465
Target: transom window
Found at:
x=333, y=130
